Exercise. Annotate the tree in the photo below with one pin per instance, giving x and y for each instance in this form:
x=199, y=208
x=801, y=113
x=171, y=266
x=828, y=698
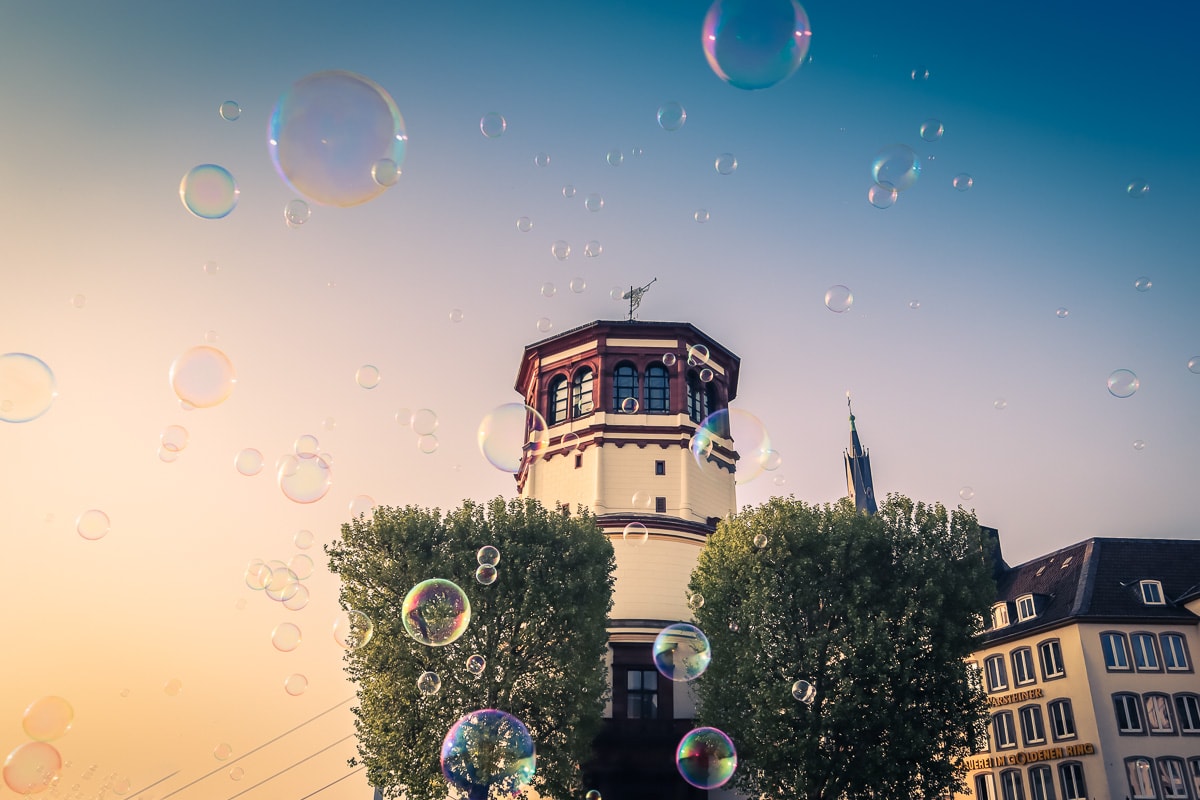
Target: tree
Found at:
x=540, y=626
x=878, y=613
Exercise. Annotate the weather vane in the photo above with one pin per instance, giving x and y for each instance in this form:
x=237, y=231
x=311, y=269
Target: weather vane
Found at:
x=634, y=296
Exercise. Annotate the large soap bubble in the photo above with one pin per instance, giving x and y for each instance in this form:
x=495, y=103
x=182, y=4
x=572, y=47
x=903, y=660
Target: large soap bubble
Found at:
x=754, y=44
x=202, y=377
x=750, y=438
x=486, y=750
x=32, y=767
x=511, y=434
x=681, y=652
x=27, y=387
x=329, y=131
x=706, y=758
x=436, y=612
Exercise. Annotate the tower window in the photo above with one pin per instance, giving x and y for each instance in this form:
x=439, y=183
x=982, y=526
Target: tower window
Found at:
x=641, y=699
x=578, y=460
x=660, y=468
x=556, y=411
x=1152, y=593
x=625, y=385
x=697, y=398
x=660, y=505
x=658, y=389
x=581, y=393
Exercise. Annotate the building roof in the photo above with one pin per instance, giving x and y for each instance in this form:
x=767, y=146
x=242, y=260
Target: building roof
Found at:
x=1098, y=580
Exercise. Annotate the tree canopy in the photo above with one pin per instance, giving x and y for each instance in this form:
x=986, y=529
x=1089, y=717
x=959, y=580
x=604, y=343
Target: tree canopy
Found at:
x=878, y=613
x=540, y=627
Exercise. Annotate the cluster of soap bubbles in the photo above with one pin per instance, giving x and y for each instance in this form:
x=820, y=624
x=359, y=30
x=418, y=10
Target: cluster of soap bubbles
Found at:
x=35, y=765
x=424, y=421
x=304, y=475
x=488, y=557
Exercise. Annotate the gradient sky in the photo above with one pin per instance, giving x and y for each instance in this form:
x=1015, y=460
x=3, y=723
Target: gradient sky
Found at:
x=1052, y=111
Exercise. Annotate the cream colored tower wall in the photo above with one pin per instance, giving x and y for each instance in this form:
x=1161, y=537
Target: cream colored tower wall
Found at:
x=558, y=480
x=651, y=578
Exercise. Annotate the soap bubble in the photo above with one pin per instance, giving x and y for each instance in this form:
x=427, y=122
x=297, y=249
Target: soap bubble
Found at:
x=592, y=794
x=427, y=444
x=760, y=540
x=524, y=224
x=1139, y=445
x=424, y=421
x=615, y=158
x=486, y=575
x=367, y=376
x=804, y=691
x=32, y=767
x=385, y=172
x=593, y=202
x=492, y=124
x=896, y=167
x=750, y=439
x=1061, y=313
x=560, y=250
x=488, y=753
x=920, y=74
x=174, y=438
x=578, y=285
x=1193, y=365
x=544, y=325
x=669, y=359
x=296, y=212
x=568, y=191
x=222, y=751
x=209, y=191
x=966, y=493
x=78, y=300
x=1143, y=284
x=629, y=405
x=286, y=637
x=541, y=160
x=1123, y=383
x=304, y=479
x=882, y=196
x=697, y=354
x=295, y=684
x=436, y=612
x=428, y=683
x=963, y=182
x=352, y=629
x=726, y=164
x=706, y=375
x=230, y=110
x=701, y=216
x=635, y=533
x=202, y=377
x=248, y=462
x=27, y=387
x=1000, y=404
x=752, y=44
x=511, y=434
x=838, y=299
x=1137, y=188
x=915, y=305
x=593, y=249
x=931, y=130
x=456, y=315
x=173, y=687
x=476, y=664
x=488, y=556
x=327, y=132
x=681, y=652
x=695, y=601
x=47, y=718
x=706, y=758
x=306, y=445
x=92, y=524
x=671, y=116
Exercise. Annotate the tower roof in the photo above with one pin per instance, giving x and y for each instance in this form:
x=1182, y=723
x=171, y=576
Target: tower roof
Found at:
x=858, y=470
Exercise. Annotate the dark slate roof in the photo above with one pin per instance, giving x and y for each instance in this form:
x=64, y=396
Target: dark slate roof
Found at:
x=1098, y=580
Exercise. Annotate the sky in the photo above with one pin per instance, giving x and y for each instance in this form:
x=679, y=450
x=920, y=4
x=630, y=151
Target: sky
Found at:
x=969, y=385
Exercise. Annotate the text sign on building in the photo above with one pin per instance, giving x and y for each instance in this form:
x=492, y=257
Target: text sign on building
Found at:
x=1030, y=757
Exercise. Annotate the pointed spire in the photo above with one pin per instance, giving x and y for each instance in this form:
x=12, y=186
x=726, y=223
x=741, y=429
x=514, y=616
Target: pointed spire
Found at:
x=858, y=470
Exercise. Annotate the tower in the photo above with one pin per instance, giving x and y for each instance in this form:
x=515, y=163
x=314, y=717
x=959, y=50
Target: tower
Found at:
x=622, y=401
x=858, y=470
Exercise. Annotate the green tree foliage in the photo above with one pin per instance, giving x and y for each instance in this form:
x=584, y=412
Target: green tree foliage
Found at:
x=878, y=613
x=540, y=626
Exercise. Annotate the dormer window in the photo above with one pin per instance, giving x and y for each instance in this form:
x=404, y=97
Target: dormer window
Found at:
x=1025, y=608
x=1066, y=562
x=1152, y=593
x=1000, y=615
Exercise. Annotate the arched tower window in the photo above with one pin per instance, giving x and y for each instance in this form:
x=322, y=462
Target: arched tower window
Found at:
x=556, y=410
x=581, y=392
x=658, y=389
x=699, y=398
x=625, y=384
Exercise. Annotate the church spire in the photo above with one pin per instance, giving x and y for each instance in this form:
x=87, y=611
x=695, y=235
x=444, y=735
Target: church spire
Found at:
x=858, y=470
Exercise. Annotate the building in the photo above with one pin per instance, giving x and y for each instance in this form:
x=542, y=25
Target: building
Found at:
x=1088, y=666
x=623, y=401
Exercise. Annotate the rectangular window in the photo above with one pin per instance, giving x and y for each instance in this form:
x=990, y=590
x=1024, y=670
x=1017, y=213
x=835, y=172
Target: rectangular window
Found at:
x=1145, y=654
x=1026, y=608
x=1116, y=657
x=1194, y=769
x=1071, y=776
x=1158, y=713
x=578, y=460
x=1022, y=661
x=1141, y=779
x=660, y=468
x=985, y=787
x=642, y=694
x=1152, y=593
x=1171, y=778
x=1000, y=615
x=1051, y=656
x=1129, y=713
x=1188, y=708
x=660, y=505
x=1004, y=731
x=997, y=676
x=1062, y=720
x=1174, y=654
x=1011, y=787
x=1033, y=731
x=1041, y=783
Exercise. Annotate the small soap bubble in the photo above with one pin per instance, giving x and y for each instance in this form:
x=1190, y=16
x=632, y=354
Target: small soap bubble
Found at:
x=635, y=533
x=569, y=440
x=488, y=556
x=629, y=405
x=966, y=493
x=1000, y=404
x=695, y=601
x=592, y=794
x=760, y=540
x=210, y=267
x=1123, y=383
x=931, y=130
x=1143, y=284
x=492, y=124
x=896, y=167
x=914, y=304
x=706, y=375
x=230, y=110
x=211, y=337
x=548, y=290
x=1137, y=188
x=208, y=191
x=669, y=359
x=47, y=718
x=524, y=224
x=838, y=299
x=804, y=691
x=173, y=687
x=202, y=377
x=701, y=216
x=27, y=387
x=615, y=158
x=920, y=74
x=1193, y=365
x=541, y=160
x=427, y=443
x=617, y=293
x=1061, y=313
x=174, y=438
x=1139, y=445
x=352, y=629
x=770, y=460
x=568, y=191
x=456, y=315
x=642, y=500
x=882, y=196
x=286, y=637
x=671, y=116
x=298, y=599
x=236, y=774
x=296, y=212
x=697, y=354
x=752, y=44
x=295, y=684
x=682, y=652
x=78, y=300
x=362, y=505
x=385, y=172
x=303, y=539
x=167, y=456
x=92, y=524
x=592, y=249
x=32, y=767
x=560, y=250
x=304, y=480
x=962, y=182
x=476, y=664
x=436, y=612
x=424, y=421
x=306, y=446
x=222, y=751
x=725, y=164
x=578, y=285
x=486, y=575
x=544, y=325
x=367, y=376
x=258, y=574
x=593, y=202
x=428, y=683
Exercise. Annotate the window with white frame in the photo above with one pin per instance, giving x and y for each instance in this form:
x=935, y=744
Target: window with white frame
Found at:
x=1174, y=652
x=1025, y=608
x=1022, y=663
x=1041, y=783
x=556, y=410
x=1145, y=652
x=1172, y=779
x=1128, y=709
x=1141, y=778
x=1011, y=786
x=1050, y=654
x=1158, y=713
x=997, y=675
x=1000, y=615
x=1152, y=593
x=985, y=787
x=1004, y=732
x=1033, y=730
x=1187, y=706
x=581, y=392
x=1062, y=719
x=1116, y=654
x=1070, y=775
x=1194, y=771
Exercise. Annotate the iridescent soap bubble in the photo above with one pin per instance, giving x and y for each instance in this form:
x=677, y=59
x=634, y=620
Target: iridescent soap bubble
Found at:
x=209, y=191
x=488, y=556
x=492, y=124
x=541, y=160
x=706, y=375
x=385, y=172
x=305, y=480
x=306, y=445
x=701, y=216
x=524, y=224
x=681, y=652
x=769, y=460
x=424, y=421
x=755, y=44
x=635, y=533
x=1061, y=313
x=560, y=250
x=488, y=753
x=804, y=691
x=202, y=377
x=47, y=718
x=295, y=684
x=896, y=167
x=615, y=158
x=486, y=575
x=593, y=249
x=428, y=683
x=725, y=164
x=236, y=774
x=962, y=182
x=593, y=202
x=1137, y=187
x=642, y=500
x=283, y=583
x=671, y=116
x=286, y=637
x=697, y=354
x=706, y=758
x=362, y=505
x=92, y=524
x=629, y=405
x=230, y=110
x=570, y=440
x=476, y=664
x=352, y=629
x=27, y=387
x=296, y=212
x=367, y=376
x=32, y=767
x=1193, y=365
x=760, y=541
x=578, y=285
x=327, y=132
x=838, y=299
x=592, y=794
x=167, y=456
x=750, y=439
x=931, y=130
x=456, y=315
x=174, y=438
x=436, y=612
x=1143, y=284
x=695, y=601
x=882, y=196
x=248, y=461
x=1123, y=383
x=511, y=434
x=966, y=493
x=669, y=359
x=298, y=600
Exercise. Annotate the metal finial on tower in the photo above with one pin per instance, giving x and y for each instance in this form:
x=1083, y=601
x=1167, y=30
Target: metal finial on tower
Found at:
x=634, y=296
